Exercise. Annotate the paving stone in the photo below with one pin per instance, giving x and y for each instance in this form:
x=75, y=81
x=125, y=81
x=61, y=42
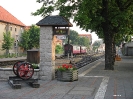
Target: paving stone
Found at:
x=83, y=88
x=82, y=91
x=59, y=89
x=68, y=96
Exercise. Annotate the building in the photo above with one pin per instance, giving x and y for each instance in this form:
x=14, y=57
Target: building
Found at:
x=87, y=36
x=58, y=42
x=8, y=22
x=127, y=49
x=101, y=48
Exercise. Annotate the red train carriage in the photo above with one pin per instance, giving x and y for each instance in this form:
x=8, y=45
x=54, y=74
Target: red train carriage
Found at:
x=83, y=49
x=74, y=49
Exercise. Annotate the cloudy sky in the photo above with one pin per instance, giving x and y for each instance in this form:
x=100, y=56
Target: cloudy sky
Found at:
x=22, y=9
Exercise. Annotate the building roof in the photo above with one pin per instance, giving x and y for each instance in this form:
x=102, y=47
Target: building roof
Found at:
x=27, y=27
x=54, y=21
x=7, y=17
x=84, y=34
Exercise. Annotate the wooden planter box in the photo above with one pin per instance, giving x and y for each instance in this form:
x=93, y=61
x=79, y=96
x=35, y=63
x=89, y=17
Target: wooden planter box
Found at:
x=67, y=75
x=118, y=59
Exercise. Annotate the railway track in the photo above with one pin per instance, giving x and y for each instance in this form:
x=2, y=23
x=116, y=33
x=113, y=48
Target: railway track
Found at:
x=88, y=59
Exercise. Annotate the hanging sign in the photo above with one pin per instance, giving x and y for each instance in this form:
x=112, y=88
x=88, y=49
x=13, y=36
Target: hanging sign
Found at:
x=60, y=31
x=61, y=37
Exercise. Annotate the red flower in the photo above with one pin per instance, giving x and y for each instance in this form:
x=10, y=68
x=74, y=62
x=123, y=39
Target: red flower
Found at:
x=67, y=67
x=64, y=65
x=70, y=66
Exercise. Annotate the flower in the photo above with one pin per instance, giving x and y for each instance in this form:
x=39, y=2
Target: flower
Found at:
x=66, y=67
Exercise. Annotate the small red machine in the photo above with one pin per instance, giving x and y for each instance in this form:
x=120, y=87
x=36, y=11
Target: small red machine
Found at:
x=24, y=70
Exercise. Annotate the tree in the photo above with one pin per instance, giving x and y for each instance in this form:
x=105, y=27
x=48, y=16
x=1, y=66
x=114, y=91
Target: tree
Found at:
x=105, y=17
x=34, y=36
x=83, y=41
x=7, y=42
x=76, y=40
x=24, y=39
x=96, y=45
x=73, y=37
x=30, y=38
x=58, y=49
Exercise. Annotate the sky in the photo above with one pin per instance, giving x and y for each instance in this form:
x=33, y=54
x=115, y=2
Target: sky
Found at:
x=22, y=9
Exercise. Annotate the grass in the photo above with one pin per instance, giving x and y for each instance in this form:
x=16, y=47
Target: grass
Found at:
x=12, y=55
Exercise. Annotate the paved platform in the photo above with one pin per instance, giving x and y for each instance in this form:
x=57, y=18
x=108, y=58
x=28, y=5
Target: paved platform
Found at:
x=94, y=83
x=12, y=59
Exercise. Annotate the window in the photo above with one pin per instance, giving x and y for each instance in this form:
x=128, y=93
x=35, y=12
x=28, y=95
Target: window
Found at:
x=11, y=28
x=21, y=29
x=6, y=27
x=15, y=29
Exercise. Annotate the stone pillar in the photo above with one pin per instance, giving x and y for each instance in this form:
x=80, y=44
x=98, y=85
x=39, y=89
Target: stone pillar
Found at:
x=47, y=53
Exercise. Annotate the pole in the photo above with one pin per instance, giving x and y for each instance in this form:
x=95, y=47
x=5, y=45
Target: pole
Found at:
x=68, y=44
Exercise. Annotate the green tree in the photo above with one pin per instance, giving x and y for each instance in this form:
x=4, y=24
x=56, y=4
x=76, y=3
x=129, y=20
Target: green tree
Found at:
x=34, y=36
x=105, y=17
x=96, y=45
x=73, y=37
x=76, y=40
x=7, y=42
x=84, y=41
x=58, y=49
x=30, y=38
x=24, y=39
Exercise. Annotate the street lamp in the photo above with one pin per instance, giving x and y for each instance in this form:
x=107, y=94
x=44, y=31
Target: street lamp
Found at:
x=16, y=45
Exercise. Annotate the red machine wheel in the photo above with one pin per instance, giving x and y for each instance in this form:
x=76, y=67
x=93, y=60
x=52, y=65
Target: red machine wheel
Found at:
x=25, y=70
x=15, y=66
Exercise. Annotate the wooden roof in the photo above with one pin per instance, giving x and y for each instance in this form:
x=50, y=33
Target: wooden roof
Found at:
x=54, y=21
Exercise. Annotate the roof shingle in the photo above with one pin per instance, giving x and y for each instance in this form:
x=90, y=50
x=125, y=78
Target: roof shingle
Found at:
x=5, y=16
x=54, y=21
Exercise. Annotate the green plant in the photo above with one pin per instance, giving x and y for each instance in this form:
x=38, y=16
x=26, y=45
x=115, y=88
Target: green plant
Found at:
x=58, y=49
x=2, y=56
x=35, y=66
x=7, y=42
x=66, y=67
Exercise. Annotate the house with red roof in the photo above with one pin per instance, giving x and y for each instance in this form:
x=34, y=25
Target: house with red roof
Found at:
x=8, y=22
x=87, y=36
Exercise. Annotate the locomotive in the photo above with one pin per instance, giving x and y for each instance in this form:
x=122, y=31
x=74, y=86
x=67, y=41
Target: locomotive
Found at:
x=74, y=50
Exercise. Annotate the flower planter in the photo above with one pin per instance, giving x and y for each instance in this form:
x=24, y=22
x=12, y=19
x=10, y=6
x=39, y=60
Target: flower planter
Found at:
x=118, y=58
x=67, y=75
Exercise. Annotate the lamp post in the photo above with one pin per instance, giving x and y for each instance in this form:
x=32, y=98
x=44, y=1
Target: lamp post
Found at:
x=16, y=45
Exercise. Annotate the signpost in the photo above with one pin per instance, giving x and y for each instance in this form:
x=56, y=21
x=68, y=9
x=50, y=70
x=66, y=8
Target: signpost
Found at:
x=61, y=37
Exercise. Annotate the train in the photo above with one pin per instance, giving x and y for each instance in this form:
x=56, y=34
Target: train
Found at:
x=73, y=50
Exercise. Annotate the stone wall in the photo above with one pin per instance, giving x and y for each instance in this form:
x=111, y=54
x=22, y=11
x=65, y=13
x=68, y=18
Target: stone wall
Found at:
x=6, y=72
x=47, y=53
